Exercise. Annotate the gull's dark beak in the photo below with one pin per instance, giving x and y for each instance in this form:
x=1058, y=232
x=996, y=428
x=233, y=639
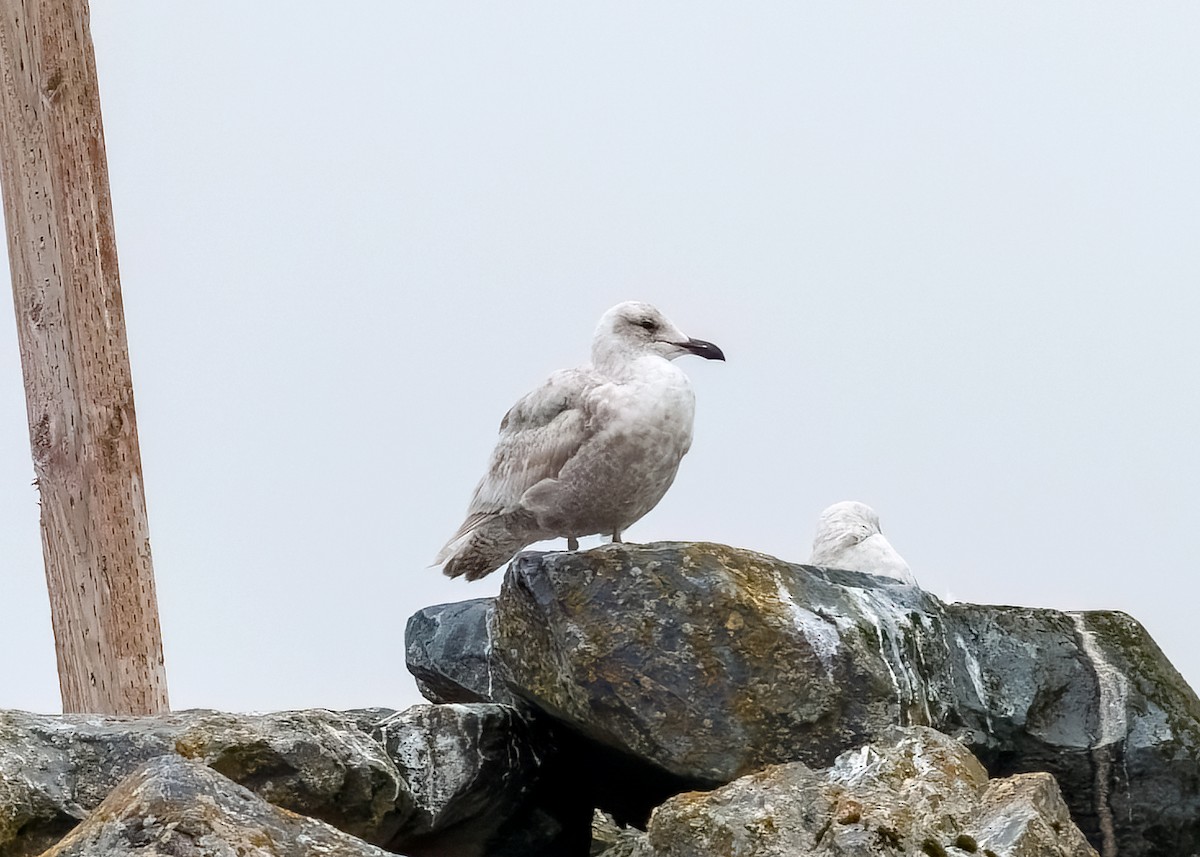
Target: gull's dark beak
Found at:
x=703, y=349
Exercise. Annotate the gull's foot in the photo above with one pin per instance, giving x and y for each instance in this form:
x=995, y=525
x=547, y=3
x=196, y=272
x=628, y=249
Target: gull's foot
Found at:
x=572, y=543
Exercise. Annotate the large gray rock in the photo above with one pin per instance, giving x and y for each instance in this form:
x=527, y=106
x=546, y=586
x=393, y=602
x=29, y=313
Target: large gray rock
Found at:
x=449, y=652
x=448, y=649
x=915, y=791
x=711, y=662
x=178, y=808
x=56, y=769
x=317, y=763
x=485, y=781
x=1090, y=698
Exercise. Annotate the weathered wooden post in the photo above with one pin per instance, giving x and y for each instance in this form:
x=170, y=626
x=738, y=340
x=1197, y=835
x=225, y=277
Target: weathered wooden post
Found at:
x=79, y=392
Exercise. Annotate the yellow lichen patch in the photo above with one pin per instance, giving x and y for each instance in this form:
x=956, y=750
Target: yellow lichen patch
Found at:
x=848, y=811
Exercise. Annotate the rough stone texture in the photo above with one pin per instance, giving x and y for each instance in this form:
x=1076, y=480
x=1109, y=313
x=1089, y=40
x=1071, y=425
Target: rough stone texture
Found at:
x=178, y=808
x=711, y=662
x=644, y=672
x=55, y=769
x=461, y=779
x=484, y=781
x=448, y=648
x=1090, y=698
x=367, y=720
x=1022, y=812
x=316, y=763
x=914, y=792
x=613, y=840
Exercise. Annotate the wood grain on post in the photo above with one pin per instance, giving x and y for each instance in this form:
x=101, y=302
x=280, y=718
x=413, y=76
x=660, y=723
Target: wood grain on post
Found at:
x=79, y=392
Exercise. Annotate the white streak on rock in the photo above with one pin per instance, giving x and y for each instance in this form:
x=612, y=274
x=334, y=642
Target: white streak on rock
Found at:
x=435, y=763
x=975, y=673
x=1112, y=685
x=854, y=766
x=892, y=625
x=488, y=660
x=821, y=634
x=1112, y=688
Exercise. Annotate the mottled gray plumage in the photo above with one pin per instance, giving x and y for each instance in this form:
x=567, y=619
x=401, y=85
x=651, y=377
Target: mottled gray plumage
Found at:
x=848, y=536
x=590, y=451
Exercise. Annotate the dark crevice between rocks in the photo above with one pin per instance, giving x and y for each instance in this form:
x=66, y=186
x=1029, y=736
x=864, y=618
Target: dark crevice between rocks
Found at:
x=577, y=775
x=625, y=787
x=251, y=763
x=1072, y=769
x=37, y=835
x=263, y=771
x=551, y=816
x=1096, y=781
x=255, y=778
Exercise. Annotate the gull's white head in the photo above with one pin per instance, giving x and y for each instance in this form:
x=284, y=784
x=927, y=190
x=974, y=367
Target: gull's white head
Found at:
x=846, y=522
x=634, y=328
x=848, y=536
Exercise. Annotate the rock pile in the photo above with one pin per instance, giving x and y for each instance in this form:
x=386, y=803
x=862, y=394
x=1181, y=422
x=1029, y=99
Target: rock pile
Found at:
x=915, y=791
x=659, y=701
x=710, y=663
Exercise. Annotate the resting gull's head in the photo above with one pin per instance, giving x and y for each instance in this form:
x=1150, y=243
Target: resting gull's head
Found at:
x=633, y=328
x=848, y=536
x=847, y=522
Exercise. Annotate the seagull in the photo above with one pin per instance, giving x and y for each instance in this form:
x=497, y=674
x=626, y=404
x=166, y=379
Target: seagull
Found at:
x=848, y=537
x=590, y=451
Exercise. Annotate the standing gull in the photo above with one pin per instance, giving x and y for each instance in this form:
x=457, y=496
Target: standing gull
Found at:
x=590, y=451
x=848, y=536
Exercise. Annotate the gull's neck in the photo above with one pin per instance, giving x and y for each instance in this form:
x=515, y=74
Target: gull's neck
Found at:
x=618, y=360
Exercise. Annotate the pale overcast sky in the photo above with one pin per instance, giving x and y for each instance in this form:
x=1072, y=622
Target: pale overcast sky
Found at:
x=950, y=251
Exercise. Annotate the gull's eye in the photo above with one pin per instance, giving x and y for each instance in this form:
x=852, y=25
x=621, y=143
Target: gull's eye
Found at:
x=648, y=324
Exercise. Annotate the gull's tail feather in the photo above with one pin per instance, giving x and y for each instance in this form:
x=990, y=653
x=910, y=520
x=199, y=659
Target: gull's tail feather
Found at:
x=486, y=542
